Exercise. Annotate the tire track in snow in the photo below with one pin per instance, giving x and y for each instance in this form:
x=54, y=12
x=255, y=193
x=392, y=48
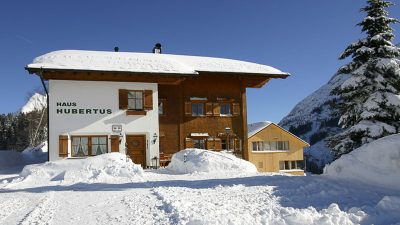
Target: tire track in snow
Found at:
x=11, y=206
x=144, y=208
x=43, y=213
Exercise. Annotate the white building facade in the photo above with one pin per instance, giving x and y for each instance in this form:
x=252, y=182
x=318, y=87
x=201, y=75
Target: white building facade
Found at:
x=88, y=115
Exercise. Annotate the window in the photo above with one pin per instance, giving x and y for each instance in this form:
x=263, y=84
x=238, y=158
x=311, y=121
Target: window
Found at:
x=199, y=144
x=89, y=145
x=80, y=146
x=135, y=100
x=225, y=109
x=255, y=145
x=99, y=145
x=261, y=146
x=197, y=109
x=280, y=145
x=291, y=165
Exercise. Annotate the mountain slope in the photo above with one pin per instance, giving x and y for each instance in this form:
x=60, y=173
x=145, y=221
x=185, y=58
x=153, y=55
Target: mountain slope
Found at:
x=311, y=119
x=36, y=102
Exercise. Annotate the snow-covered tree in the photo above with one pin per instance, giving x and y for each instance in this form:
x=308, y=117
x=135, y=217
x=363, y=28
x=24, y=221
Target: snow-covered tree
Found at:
x=369, y=101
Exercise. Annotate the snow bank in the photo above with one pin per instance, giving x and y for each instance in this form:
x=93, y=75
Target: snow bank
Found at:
x=199, y=160
x=36, y=154
x=376, y=163
x=36, y=102
x=110, y=167
x=33, y=155
x=10, y=158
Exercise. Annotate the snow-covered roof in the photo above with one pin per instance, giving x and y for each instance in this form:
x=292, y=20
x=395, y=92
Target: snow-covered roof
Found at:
x=145, y=63
x=254, y=128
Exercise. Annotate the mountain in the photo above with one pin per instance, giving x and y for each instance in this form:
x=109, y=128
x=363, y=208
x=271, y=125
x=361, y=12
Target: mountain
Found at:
x=312, y=120
x=36, y=102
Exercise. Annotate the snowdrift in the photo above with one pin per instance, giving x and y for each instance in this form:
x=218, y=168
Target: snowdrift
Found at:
x=199, y=160
x=33, y=155
x=111, y=167
x=10, y=158
x=36, y=154
x=376, y=163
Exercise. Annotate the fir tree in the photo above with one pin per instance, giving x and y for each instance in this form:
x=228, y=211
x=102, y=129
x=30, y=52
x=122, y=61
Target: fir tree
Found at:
x=369, y=105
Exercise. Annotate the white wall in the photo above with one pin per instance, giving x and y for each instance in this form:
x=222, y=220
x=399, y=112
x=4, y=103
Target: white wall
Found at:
x=99, y=95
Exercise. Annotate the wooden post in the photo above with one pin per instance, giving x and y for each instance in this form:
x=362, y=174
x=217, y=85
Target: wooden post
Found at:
x=245, y=152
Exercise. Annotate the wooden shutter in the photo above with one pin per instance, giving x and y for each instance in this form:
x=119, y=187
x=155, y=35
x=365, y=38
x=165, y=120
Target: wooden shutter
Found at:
x=63, y=146
x=216, y=109
x=210, y=144
x=188, y=108
x=114, y=143
x=189, y=143
x=218, y=144
x=123, y=98
x=148, y=99
x=209, y=109
x=237, y=144
x=236, y=109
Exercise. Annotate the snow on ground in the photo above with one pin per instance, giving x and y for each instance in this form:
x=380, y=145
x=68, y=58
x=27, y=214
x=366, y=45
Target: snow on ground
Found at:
x=376, y=163
x=109, y=168
x=199, y=160
x=36, y=102
x=167, y=197
x=30, y=155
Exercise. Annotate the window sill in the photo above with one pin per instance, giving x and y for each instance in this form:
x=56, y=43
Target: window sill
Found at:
x=198, y=115
x=225, y=115
x=292, y=170
x=135, y=112
x=270, y=151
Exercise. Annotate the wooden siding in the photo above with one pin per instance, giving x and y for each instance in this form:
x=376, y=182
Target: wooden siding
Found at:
x=248, y=80
x=178, y=123
x=269, y=161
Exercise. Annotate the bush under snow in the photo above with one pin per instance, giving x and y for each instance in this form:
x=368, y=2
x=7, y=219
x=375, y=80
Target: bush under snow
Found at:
x=376, y=163
x=111, y=167
x=199, y=160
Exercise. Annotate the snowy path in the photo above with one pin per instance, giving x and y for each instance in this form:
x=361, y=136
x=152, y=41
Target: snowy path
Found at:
x=200, y=199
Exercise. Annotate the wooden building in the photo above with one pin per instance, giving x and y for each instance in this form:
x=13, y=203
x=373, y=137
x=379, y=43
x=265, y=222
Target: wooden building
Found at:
x=142, y=104
x=274, y=149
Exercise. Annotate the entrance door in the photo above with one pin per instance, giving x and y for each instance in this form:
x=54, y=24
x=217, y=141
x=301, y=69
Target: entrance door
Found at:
x=136, y=148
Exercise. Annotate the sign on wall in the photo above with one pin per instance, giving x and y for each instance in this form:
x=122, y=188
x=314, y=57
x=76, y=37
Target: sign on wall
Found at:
x=72, y=108
x=117, y=128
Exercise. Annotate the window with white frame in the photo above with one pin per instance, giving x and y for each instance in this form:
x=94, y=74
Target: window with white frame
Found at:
x=291, y=165
x=279, y=145
x=268, y=146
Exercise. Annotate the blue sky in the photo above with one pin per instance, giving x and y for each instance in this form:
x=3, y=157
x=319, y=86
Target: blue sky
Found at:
x=302, y=37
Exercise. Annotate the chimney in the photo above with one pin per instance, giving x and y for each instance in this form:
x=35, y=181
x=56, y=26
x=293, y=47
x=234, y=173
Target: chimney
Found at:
x=157, y=48
x=116, y=49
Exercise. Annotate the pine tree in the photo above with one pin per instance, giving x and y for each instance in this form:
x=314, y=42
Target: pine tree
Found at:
x=369, y=100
